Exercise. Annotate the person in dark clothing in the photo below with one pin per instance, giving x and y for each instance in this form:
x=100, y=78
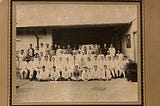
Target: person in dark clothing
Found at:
x=31, y=50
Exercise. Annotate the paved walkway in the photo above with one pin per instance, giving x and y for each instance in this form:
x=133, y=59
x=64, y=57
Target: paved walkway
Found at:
x=109, y=91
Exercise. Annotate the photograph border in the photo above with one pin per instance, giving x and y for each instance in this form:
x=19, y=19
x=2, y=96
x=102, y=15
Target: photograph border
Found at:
x=83, y=1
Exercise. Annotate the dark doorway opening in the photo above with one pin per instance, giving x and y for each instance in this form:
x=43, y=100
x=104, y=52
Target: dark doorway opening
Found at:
x=90, y=34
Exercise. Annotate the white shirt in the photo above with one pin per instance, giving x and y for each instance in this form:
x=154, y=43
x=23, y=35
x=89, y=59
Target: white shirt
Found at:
x=112, y=51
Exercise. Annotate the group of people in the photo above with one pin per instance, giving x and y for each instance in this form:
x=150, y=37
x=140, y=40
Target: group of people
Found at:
x=56, y=63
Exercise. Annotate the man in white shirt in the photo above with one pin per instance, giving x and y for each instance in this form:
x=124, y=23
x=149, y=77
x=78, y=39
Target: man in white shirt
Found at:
x=69, y=62
x=43, y=75
x=59, y=51
x=107, y=73
x=21, y=55
x=46, y=63
x=110, y=66
x=23, y=69
x=112, y=51
x=42, y=49
x=101, y=60
x=116, y=65
x=123, y=66
x=54, y=74
x=66, y=75
x=59, y=63
x=85, y=74
x=95, y=73
x=120, y=55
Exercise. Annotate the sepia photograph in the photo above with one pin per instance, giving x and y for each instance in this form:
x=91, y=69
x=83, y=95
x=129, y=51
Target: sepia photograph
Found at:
x=71, y=52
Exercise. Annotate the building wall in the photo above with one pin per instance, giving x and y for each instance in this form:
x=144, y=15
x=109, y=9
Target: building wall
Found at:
x=130, y=52
x=24, y=40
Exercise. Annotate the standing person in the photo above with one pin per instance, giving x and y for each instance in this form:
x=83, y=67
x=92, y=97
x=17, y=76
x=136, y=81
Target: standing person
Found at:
x=120, y=55
x=52, y=51
x=31, y=50
x=37, y=52
x=89, y=51
x=47, y=50
x=80, y=49
x=101, y=60
x=112, y=51
x=75, y=51
x=59, y=63
x=89, y=63
x=55, y=47
x=46, y=63
x=110, y=66
x=99, y=50
x=21, y=55
x=123, y=66
x=116, y=65
x=85, y=50
x=42, y=48
x=69, y=49
x=59, y=50
x=78, y=58
x=108, y=55
x=64, y=50
x=104, y=50
x=69, y=62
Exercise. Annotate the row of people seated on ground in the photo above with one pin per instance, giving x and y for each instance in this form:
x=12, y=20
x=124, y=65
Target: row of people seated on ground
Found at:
x=58, y=50
x=113, y=67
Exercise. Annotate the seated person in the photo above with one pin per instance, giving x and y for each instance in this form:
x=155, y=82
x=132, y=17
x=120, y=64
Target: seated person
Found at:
x=85, y=74
x=95, y=73
x=66, y=74
x=43, y=75
x=54, y=74
x=107, y=72
x=23, y=69
x=76, y=73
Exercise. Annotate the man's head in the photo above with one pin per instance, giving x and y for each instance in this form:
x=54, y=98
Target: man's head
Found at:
x=41, y=45
x=30, y=45
x=111, y=45
x=105, y=45
x=85, y=68
x=124, y=57
x=55, y=45
x=46, y=58
x=90, y=47
x=105, y=66
x=88, y=59
x=43, y=68
x=109, y=58
x=117, y=57
x=22, y=51
x=47, y=45
x=63, y=47
x=118, y=51
x=68, y=46
x=95, y=57
x=59, y=47
x=76, y=66
x=95, y=67
x=53, y=59
x=54, y=68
